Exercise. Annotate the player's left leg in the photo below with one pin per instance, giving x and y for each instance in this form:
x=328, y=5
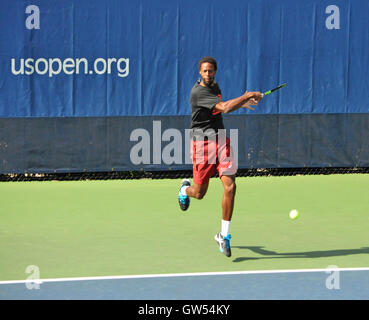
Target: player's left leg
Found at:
x=229, y=184
x=223, y=238
x=227, y=169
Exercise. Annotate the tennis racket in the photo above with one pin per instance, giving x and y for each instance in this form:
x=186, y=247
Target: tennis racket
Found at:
x=269, y=92
x=275, y=89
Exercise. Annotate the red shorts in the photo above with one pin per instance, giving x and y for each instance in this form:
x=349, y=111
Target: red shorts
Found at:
x=210, y=156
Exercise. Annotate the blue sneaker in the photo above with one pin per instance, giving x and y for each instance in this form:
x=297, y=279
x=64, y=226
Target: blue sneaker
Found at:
x=184, y=201
x=224, y=243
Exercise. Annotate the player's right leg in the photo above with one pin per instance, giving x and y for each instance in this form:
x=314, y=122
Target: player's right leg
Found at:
x=203, y=169
x=197, y=191
x=183, y=198
x=186, y=191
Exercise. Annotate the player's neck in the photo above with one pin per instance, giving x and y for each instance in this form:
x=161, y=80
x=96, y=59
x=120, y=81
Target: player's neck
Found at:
x=202, y=83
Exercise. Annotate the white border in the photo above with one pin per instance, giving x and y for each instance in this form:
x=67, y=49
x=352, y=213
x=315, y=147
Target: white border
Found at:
x=168, y=275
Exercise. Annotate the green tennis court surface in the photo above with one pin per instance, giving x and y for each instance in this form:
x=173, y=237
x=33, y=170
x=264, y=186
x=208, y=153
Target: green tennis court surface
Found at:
x=132, y=227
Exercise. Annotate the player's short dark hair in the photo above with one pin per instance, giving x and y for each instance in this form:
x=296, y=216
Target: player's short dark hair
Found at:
x=209, y=60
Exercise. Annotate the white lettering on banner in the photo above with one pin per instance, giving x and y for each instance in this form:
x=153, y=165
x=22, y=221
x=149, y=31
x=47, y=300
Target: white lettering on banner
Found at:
x=53, y=71
x=29, y=64
x=78, y=62
x=37, y=66
x=68, y=66
x=103, y=62
x=125, y=71
x=68, y=63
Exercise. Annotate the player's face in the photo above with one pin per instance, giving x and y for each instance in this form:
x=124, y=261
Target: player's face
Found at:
x=207, y=73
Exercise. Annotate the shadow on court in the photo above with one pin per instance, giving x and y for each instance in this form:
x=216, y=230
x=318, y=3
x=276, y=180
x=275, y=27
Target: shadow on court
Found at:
x=267, y=254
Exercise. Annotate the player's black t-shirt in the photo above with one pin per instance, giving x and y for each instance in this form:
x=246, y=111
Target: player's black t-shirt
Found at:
x=204, y=117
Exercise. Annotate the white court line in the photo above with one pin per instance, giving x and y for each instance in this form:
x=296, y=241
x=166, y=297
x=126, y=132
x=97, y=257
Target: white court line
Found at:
x=169, y=275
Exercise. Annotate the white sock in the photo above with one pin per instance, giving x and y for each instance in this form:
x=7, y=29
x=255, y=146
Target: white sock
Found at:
x=225, y=227
x=183, y=190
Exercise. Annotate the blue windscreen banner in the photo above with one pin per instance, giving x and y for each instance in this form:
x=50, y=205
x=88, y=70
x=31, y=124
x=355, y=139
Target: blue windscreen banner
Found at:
x=82, y=72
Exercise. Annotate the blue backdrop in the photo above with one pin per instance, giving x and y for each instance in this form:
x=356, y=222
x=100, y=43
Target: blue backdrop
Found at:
x=258, y=43
x=69, y=67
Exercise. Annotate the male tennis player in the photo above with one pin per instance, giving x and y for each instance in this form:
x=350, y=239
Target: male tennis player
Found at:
x=209, y=152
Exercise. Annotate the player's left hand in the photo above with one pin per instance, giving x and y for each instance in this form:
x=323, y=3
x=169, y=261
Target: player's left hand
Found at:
x=252, y=102
x=255, y=97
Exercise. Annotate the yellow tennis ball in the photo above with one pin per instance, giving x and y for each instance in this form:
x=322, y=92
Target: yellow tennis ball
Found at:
x=294, y=214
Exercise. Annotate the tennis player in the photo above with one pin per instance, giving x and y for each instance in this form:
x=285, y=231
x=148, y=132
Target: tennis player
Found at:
x=211, y=153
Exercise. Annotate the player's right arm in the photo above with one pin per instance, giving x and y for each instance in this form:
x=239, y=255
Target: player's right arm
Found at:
x=247, y=99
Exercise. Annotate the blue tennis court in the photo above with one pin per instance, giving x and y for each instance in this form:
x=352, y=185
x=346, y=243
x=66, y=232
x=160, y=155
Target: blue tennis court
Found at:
x=327, y=284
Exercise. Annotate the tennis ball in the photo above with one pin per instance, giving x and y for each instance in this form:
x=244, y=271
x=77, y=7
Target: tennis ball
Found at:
x=294, y=214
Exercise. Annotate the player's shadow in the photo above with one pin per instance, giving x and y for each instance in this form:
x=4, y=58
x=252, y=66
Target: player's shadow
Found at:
x=267, y=254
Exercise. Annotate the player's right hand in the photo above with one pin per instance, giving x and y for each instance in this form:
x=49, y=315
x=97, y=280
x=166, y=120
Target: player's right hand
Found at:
x=253, y=96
